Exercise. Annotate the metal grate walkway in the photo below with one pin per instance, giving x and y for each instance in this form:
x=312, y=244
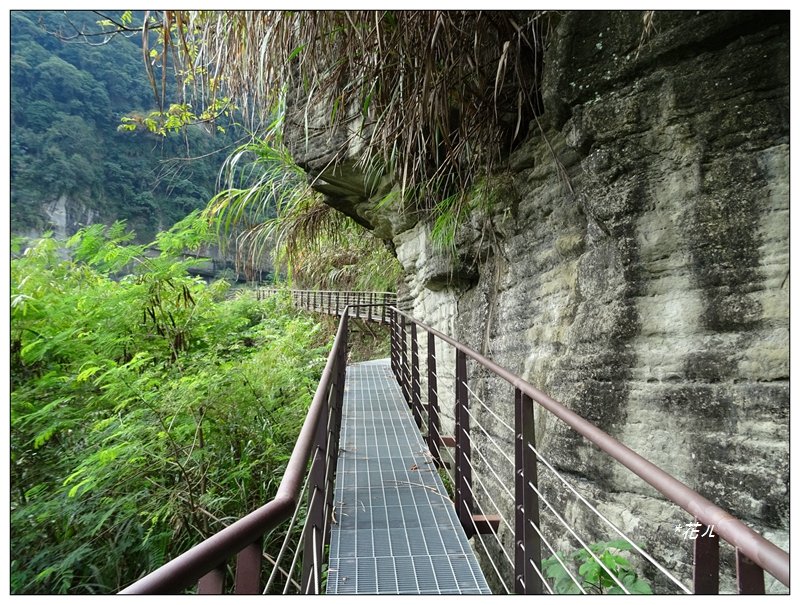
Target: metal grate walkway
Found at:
x=396, y=530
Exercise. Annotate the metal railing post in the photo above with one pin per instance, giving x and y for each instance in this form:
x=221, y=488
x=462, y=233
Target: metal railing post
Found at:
x=434, y=426
x=416, y=406
x=383, y=310
x=464, y=500
x=213, y=582
x=315, y=519
x=705, y=573
x=338, y=307
x=749, y=576
x=404, y=361
x=334, y=429
x=393, y=342
x=369, y=311
x=248, y=569
x=527, y=544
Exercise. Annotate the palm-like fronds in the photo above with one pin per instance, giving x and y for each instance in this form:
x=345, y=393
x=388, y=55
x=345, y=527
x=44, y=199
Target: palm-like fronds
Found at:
x=433, y=97
x=268, y=205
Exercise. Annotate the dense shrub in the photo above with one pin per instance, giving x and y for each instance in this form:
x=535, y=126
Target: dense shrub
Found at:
x=148, y=410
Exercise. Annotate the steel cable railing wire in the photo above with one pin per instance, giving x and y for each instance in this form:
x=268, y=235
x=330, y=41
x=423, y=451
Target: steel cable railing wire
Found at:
x=500, y=482
x=482, y=511
x=488, y=556
x=489, y=495
x=299, y=544
x=561, y=520
x=196, y=563
x=497, y=571
x=497, y=510
x=555, y=554
x=491, y=440
x=578, y=538
x=329, y=485
x=607, y=444
x=489, y=466
x=292, y=521
x=765, y=555
x=285, y=573
x=476, y=501
x=644, y=554
x=316, y=561
x=488, y=409
x=638, y=549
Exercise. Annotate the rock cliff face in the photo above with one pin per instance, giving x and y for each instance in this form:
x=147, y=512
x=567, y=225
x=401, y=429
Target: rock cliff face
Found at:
x=638, y=270
x=66, y=217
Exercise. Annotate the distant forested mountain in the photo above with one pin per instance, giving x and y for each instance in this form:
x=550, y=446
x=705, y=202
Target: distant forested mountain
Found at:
x=69, y=164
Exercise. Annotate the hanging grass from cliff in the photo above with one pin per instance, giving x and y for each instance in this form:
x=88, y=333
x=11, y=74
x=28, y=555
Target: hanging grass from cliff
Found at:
x=434, y=98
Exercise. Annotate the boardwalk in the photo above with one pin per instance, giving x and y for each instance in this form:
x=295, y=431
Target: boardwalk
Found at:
x=396, y=530
x=386, y=525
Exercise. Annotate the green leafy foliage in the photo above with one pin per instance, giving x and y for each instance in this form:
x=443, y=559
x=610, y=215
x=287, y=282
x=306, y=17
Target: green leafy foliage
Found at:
x=269, y=205
x=176, y=118
x=595, y=579
x=148, y=409
x=477, y=205
x=68, y=95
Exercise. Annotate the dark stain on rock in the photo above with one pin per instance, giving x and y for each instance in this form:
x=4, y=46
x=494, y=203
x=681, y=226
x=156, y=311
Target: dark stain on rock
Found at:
x=730, y=311
x=724, y=237
x=593, y=377
x=709, y=366
x=700, y=403
x=758, y=494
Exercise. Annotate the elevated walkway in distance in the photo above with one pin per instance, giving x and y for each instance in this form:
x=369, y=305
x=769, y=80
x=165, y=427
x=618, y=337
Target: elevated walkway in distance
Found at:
x=369, y=306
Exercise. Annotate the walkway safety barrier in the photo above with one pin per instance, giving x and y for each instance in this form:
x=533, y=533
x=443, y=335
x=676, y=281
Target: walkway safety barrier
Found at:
x=371, y=306
x=528, y=545
x=304, y=497
x=482, y=497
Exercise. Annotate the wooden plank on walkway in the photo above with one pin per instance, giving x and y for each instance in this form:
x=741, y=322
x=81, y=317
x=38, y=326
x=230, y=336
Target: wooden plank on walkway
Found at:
x=396, y=530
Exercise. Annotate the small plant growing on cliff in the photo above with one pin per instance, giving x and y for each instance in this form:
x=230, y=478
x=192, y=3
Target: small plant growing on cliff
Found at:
x=595, y=579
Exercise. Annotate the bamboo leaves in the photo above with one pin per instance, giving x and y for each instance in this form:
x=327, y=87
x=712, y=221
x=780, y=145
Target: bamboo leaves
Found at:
x=122, y=454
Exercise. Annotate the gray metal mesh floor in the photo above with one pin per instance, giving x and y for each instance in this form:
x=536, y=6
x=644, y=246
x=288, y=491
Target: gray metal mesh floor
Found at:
x=396, y=531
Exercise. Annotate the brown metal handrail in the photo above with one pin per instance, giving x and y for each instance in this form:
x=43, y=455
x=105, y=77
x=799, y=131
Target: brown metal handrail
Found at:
x=205, y=562
x=754, y=554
